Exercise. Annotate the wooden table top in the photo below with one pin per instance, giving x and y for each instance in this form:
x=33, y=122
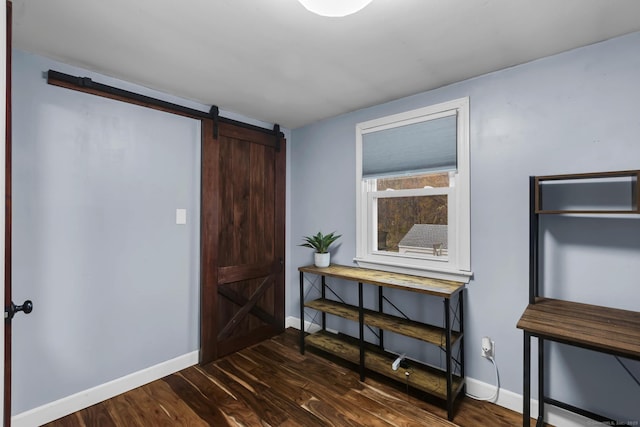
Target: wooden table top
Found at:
x=600, y=328
x=426, y=285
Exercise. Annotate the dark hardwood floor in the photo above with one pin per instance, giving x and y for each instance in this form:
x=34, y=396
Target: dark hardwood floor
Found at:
x=271, y=384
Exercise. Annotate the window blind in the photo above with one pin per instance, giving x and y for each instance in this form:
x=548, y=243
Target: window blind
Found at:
x=428, y=146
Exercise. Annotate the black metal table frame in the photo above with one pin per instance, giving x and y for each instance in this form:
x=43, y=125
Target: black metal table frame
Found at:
x=451, y=394
x=534, y=292
x=542, y=398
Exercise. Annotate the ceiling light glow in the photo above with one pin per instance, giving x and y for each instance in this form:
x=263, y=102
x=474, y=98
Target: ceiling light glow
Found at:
x=334, y=8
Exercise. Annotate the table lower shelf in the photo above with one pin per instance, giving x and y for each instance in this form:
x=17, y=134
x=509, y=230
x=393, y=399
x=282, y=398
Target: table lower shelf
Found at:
x=429, y=380
x=421, y=331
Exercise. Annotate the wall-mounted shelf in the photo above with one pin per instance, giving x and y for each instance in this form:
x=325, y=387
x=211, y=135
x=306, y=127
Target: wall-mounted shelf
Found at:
x=446, y=383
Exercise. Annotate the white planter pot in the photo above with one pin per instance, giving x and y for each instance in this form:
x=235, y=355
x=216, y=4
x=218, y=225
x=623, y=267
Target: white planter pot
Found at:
x=322, y=260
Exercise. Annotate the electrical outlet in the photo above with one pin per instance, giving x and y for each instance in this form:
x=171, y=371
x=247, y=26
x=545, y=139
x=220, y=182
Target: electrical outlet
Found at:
x=488, y=348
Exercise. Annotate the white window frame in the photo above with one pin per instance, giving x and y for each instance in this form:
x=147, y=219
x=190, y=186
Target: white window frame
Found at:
x=456, y=265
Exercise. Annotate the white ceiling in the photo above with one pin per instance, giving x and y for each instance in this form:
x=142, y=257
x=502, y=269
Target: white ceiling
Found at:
x=274, y=61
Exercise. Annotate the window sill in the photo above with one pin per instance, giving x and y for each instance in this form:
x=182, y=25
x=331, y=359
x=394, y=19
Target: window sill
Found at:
x=399, y=267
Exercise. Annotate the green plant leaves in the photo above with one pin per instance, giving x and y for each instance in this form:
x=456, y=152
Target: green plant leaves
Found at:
x=320, y=242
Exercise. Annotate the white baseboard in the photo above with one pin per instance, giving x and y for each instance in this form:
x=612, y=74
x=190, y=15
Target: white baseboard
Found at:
x=70, y=404
x=555, y=416
x=76, y=402
x=506, y=398
x=294, y=322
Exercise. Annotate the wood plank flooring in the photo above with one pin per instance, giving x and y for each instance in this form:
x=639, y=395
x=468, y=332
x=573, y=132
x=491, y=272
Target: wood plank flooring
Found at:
x=271, y=384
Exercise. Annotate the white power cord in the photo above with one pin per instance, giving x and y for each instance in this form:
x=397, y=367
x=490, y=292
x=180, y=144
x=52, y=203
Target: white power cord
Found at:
x=494, y=396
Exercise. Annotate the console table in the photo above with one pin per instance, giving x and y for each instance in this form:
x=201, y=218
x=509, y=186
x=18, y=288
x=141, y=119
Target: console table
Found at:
x=446, y=383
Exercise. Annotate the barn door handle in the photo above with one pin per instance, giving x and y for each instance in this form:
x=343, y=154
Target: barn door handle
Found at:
x=10, y=311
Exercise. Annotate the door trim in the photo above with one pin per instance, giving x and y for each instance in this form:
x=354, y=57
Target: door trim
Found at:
x=6, y=218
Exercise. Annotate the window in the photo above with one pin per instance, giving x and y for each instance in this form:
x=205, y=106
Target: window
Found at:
x=413, y=192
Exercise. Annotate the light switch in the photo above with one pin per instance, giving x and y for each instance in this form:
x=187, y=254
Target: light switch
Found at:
x=181, y=216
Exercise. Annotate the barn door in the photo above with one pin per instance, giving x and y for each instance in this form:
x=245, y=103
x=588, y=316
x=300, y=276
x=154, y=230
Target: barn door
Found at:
x=243, y=213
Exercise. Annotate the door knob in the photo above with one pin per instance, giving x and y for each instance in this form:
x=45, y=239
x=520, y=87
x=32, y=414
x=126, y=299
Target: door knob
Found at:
x=10, y=311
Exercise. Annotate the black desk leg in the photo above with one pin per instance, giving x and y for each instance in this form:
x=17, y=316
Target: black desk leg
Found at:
x=447, y=321
x=301, y=312
x=461, y=328
x=540, y=382
x=324, y=296
x=526, y=394
x=380, y=310
x=361, y=321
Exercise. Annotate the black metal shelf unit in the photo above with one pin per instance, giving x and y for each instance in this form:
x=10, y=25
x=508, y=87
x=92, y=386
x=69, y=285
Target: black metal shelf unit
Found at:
x=446, y=384
x=603, y=329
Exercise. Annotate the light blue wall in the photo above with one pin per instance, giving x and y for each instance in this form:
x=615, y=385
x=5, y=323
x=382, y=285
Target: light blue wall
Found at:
x=114, y=280
x=573, y=112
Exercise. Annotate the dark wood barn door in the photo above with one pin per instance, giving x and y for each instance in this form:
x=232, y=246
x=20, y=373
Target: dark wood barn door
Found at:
x=243, y=213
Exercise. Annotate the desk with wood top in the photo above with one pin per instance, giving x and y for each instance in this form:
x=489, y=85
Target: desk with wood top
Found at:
x=602, y=329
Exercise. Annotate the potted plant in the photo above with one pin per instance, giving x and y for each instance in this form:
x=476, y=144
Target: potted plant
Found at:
x=321, y=244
